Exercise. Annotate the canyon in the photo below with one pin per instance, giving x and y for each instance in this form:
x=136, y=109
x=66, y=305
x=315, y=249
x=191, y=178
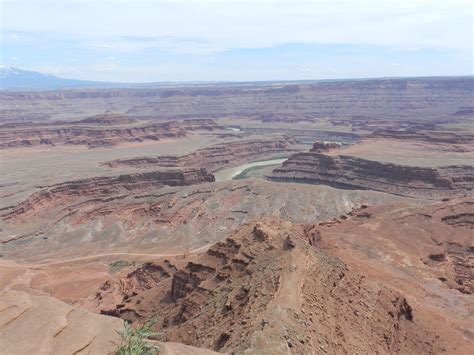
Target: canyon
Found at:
x=242, y=283
x=218, y=156
x=81, y=133
x=243, y=218
x=146, y=217
x=104, y=187
x=348, y=172
x=380, y=101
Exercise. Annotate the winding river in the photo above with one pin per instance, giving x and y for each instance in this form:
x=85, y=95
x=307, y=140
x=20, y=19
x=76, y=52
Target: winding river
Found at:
x=229, y=173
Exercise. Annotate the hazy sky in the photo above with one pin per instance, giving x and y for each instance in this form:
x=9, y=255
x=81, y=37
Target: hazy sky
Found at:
x=145, y=40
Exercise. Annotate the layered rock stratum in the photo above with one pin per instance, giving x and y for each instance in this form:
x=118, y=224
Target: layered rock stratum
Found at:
x=154, y=218
x=426, y=136
x=142, y=231
x=105, y=189
x=273, y=287
x=216, y=156
x=361, y=103
x=82, y=133
x=348, y=172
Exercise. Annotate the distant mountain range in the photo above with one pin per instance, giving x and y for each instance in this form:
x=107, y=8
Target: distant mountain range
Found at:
x=15, y=79
x=18, y=79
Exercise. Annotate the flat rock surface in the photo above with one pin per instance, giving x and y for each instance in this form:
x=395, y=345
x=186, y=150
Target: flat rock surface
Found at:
x=32, y=324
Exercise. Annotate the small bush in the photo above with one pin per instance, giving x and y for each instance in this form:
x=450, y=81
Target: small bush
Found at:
x=118, y=265
x=134, y=340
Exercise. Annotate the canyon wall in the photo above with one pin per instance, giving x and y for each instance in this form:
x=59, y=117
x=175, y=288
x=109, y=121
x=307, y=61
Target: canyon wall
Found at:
x=103, y=189
x=217, y=156
x=94, y=216
x=412, y=100
x=82, y=133
x=426, y=136
x=91, y=137
x=347, y=172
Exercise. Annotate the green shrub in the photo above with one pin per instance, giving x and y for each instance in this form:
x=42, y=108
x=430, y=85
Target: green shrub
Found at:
x=118, y=265
x=134, y=340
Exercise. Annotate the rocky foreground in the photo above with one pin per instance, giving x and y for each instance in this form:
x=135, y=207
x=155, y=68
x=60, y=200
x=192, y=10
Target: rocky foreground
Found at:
x=58, y=327
x=54, y=327
x=373, y=279
x=344, y=286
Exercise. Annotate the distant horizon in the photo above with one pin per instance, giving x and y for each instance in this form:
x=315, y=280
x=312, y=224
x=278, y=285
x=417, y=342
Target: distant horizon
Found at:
x=246, y=81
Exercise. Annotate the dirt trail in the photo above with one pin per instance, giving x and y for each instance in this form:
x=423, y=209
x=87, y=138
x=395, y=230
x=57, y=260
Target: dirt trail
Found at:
x=91, y=257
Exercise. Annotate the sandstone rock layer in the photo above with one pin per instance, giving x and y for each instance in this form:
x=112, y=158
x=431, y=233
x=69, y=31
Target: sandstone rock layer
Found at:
x=217, y=156
x=266, y=289
x=347, y=172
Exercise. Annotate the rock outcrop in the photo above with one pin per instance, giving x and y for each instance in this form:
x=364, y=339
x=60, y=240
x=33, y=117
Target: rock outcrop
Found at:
x=382, y=101
x=97, y=131
x=465, y=111
x=142, y=217
x=108, y=188
x=91, y=137
x=40, y=324
x=217, y=156
x=107, y=118
x=200, y=124
x=418, y=250
x=320, y=147
x=265, y=289
x=445, y=137
x=347, y=172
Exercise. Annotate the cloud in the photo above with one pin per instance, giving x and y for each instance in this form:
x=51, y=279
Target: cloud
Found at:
x=237, y=39
x=213, y=26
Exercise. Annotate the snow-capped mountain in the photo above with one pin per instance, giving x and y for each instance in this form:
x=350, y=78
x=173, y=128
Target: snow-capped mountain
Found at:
x=18, y=79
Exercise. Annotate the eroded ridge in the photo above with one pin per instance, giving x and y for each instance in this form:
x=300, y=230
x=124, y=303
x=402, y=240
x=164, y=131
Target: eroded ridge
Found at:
x=267, y=288
x=98, y=131
x=348, y=172
x=216, y=156
x=104, y=189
